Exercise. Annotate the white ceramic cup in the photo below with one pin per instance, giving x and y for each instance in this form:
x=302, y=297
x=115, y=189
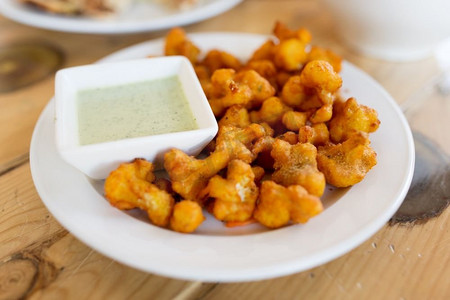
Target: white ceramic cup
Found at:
x=396, y=30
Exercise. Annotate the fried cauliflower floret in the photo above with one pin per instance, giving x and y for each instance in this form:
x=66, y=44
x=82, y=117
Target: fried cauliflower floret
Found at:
x=263, y=146
x=278, y=205
x=217, y=59
x=296, y=165
x=294, y=120
x=290, y=54
x=225, y=91
x=246, y=88
x=265, y=68
x=282, y=32
x=304, y=206
x=264, y=52
x=236, y=116
x=187, y=216
x=293, y=92
x=261, y=89
x=350, y=118
x=347, y=163
x=316, y=134
x=318, y=53
x=259, y=173
x=273, y=209
x=261, y=149
x=238, y=142
x=164, y=185
x=270, y=112
x=289, y=136
x=320, y=76
x=130, y=186
x=235, y=196
x=178, y=44
x=204, y=76
x=296, y=95
x=323, y=114
x=190, y=176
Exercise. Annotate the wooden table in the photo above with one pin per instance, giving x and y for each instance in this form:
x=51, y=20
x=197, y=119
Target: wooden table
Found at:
x=40, y=259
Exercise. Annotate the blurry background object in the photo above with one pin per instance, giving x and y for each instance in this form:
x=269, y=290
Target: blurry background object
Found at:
x=129, y=17
x=100, y=7
x=396, y=30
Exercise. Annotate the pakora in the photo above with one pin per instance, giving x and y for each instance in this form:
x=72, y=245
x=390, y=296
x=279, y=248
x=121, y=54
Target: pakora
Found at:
x=352, y=117
x=278, y=205
x=190, y=175
x=234, y=198
x=246, y=88
x=297, y=165
x=347, y=163
x=187, y=216
x=130, y=186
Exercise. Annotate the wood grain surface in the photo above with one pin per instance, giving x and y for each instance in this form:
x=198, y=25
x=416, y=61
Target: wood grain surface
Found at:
x=39, y=259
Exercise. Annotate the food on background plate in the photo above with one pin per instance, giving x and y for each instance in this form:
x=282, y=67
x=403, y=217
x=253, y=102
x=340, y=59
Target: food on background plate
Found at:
x=97, y=7
x=284, y=133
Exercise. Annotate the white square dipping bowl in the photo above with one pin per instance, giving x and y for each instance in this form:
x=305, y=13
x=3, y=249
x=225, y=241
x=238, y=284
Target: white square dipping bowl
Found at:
x=98, y=160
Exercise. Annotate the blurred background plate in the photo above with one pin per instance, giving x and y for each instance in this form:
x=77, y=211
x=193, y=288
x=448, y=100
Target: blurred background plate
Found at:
x=141, y=17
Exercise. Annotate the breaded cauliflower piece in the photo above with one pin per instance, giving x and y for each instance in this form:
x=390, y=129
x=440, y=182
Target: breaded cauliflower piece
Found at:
x=318, y=53
x=278, y=205
x=297, y=96
x=190, y=175
x=265, y=68
x=322, y=115
x=130, y=186
x=260, y=88
x=290, y=54
x=264, y=52
x=294, y=120
x=296, y=165
x=316, y=134
x=187, y=216
x=347, y=163
x=246, y=88
x=225, y=91
x=271, y=112
x=282, y=32
x=352, y=117
x=217, y=59
x=259, y=173
x=238, y=142
x=177, y=43
x=263, y=146
x=235, y=196
x=320, y=76
x=236, y=116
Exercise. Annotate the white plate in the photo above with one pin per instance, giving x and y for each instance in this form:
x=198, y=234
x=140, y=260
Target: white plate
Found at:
x=216, y=253
x=139, y=18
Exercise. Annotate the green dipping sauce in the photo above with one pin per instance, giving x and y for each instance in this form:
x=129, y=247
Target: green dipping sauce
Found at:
x=133, y=110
